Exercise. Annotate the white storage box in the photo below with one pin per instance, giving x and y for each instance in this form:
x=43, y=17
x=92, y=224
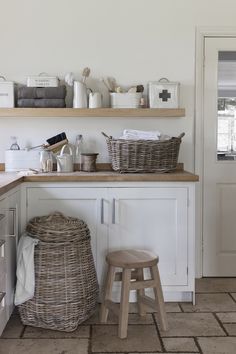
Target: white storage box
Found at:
x=6, y=93
x=20, y=160
x=42, y=81
x=163, y=94
x=125, y=100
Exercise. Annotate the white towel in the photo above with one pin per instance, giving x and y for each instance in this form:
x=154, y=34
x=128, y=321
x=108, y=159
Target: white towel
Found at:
x=140, y=134
x=25, y=269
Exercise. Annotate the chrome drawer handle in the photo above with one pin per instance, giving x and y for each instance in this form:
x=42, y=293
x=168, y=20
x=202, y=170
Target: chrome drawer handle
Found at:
x=102, y=211
x=113, y=211
x=13, y=211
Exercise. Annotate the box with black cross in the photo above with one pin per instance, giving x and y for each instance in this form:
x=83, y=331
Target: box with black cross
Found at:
x=163, y=94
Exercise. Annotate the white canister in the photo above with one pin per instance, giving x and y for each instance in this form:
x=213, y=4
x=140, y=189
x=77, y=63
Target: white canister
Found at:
x=80, y=99
x=163, y=94
x=65, y=160
x=95, y=100
x=6, y=93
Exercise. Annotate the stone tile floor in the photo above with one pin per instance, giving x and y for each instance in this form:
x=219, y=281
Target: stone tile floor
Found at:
x=209, y=327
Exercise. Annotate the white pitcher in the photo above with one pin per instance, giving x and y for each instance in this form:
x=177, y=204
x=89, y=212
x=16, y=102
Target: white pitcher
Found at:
x=64, y=160
x=80, y=95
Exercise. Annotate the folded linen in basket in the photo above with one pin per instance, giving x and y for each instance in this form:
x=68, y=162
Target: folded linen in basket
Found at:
x=41, y=92
x=41, y=102
x=140, y=134
x=25, y=284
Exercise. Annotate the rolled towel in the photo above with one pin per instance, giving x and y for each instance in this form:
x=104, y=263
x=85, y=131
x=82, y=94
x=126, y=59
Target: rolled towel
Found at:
x=41, y=103
x=140, y=135
x=42, y=92
x=25, y=284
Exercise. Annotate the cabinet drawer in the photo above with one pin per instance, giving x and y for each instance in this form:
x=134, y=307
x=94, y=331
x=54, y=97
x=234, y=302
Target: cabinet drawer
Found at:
x=2, y=267
x=3, y=281
x=2, y=223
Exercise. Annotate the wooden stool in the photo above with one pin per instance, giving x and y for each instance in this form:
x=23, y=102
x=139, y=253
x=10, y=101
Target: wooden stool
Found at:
x=132, y=263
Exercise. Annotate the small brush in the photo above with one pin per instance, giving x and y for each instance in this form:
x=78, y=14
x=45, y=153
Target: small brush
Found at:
x=57, y=138
x=85, y=74
x=57, y=147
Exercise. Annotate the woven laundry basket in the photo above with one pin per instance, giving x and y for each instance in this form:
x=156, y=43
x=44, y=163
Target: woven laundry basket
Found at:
x=66, y=288
x=141, y=156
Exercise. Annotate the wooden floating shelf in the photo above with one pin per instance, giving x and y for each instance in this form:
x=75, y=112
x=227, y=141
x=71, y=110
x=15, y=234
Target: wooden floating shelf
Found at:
x=92, y=112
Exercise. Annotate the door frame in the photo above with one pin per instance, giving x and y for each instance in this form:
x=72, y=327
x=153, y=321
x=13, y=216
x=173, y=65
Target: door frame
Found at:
x=201, y=34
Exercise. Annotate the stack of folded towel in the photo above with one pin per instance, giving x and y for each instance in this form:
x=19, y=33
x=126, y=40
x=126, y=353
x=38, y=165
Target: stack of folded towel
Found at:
x=131, y=134
x=41, y=97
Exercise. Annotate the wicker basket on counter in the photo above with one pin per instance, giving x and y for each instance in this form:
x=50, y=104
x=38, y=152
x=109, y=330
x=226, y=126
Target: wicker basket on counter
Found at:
x=143, y=155
x=66, y=288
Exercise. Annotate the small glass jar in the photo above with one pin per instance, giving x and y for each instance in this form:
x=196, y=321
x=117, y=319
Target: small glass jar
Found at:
x=46, y=161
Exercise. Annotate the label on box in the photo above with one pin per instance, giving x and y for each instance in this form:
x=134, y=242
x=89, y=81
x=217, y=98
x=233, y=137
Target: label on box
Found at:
x=42, y=81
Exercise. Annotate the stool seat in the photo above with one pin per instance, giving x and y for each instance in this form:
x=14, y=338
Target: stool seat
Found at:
x=132, y=259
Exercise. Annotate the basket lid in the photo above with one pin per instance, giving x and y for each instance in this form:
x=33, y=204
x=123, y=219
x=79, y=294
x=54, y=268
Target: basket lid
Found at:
x=57, y=227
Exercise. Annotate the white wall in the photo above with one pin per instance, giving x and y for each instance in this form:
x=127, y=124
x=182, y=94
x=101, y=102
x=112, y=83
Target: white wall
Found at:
x=133, y=40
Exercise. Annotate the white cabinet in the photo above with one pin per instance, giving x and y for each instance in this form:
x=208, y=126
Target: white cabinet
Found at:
x=9, y=204
x=154, y=219
x=88, y=204
x=155, y=216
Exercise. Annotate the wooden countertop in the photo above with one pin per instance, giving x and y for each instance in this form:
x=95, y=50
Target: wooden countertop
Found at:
x=10, y=180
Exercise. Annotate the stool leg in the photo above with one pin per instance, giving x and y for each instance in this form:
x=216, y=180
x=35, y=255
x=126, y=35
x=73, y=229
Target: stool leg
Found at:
x=141, y=292
x=159, y=297
x=124, y=303
x=108, y=293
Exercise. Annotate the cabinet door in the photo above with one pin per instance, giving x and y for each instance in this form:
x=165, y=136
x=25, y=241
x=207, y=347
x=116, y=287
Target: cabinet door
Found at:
x=10, y=247
x=88, y=204
x=3, y=228
x=154, y=219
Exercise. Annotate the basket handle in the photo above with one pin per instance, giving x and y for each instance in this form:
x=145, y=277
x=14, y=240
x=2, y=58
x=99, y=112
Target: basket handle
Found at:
x=163, y=79
x=106, y=136
x=181, y=135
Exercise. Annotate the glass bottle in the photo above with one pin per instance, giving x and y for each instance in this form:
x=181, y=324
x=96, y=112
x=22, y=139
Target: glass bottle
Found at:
x=14, y=145
x=78, y=149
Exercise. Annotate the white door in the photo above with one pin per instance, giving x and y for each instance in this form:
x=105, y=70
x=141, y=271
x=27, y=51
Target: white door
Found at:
x=154, y=219
x=219, y=181
x=88, y=204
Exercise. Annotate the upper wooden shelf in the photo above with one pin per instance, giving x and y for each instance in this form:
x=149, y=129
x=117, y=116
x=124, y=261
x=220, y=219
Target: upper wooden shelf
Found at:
x=92, y=112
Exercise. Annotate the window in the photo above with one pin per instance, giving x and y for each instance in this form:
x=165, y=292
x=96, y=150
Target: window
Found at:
x=226, y=131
